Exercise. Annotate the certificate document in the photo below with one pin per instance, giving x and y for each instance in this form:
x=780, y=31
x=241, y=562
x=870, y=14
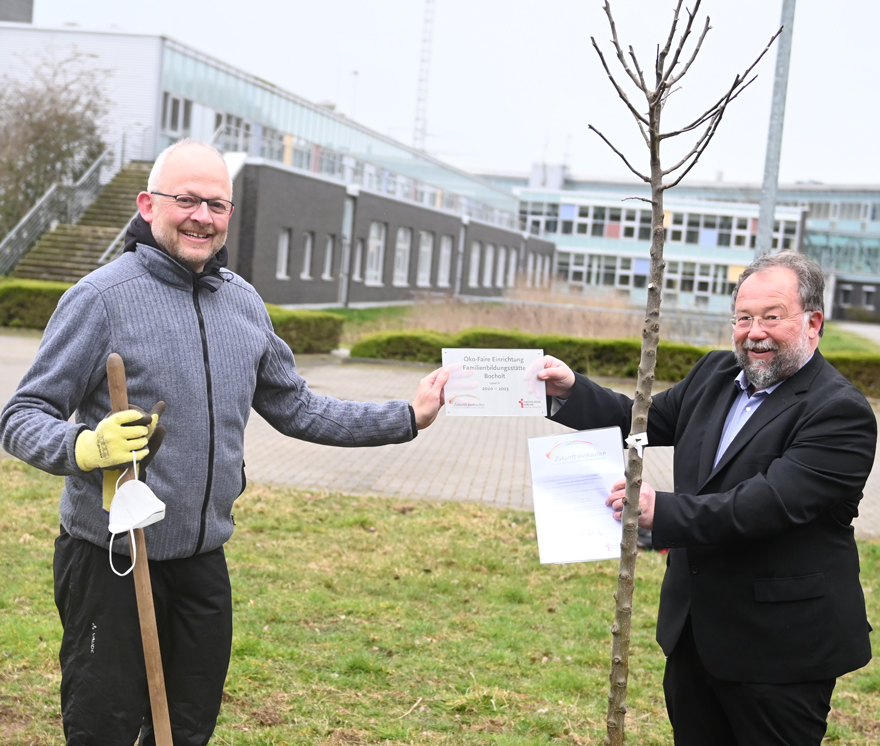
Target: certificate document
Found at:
x=572, y=474
x=500, y=383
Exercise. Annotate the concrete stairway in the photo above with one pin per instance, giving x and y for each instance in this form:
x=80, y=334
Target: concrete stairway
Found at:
x=70, y=252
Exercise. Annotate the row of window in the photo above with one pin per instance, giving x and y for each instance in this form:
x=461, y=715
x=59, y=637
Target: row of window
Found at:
x=862, y=296
x=369, y=257
x=697, y=229
x=240, y=135
x=865, y=211
x=628, y=272
x=498, y=264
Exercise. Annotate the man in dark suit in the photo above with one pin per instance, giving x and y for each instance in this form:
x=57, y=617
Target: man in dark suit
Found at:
x=761, y=607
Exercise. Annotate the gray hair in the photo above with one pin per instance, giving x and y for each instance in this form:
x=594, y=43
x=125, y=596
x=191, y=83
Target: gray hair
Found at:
x=810, y=278
x=187, y=142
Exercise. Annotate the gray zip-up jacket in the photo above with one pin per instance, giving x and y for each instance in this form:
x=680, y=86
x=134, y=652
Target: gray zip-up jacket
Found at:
x=211, y=356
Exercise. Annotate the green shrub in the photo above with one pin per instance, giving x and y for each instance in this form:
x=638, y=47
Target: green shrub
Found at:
x=306, y=331
x=418, y=346
x=861, y=368
x=486, y=338
x=619, y=357
x=28, y=304
x=860, y=314
x=597, y=357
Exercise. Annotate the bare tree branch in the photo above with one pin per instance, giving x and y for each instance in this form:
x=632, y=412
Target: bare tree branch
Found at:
x=622, y=156
x=693, y=150
x=706, y=116
x=660, y=60
x=738, y=81
x=643, y=86
x=620, y=92
x=681, y=42
x=672, y=80
x=713, y=127
x=616, y=44
x=638, y=199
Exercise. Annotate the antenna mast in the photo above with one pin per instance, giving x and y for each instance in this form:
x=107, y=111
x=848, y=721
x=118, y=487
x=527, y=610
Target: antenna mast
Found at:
x=424, y=69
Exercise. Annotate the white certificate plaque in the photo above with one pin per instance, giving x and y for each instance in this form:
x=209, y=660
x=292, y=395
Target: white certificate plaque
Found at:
x=572, y=474
x=494, y=383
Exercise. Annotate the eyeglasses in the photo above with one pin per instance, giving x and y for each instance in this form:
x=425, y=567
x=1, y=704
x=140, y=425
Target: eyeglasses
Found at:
x=191, y=203
x=741, y=323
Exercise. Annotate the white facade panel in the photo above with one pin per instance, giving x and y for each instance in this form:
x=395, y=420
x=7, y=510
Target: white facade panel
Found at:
x=133, y=65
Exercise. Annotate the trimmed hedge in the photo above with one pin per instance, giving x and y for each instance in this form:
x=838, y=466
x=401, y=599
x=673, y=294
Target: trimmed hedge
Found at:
x=306, y=331
x=28, y=304
x=862, y=368
x=416, y=346
x=618, y=358
x=597, y=357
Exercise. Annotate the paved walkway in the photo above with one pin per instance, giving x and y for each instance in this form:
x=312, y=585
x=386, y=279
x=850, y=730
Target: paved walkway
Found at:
x=474, y=459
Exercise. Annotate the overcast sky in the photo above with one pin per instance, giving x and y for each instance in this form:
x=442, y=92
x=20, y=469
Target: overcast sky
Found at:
x=515, y=82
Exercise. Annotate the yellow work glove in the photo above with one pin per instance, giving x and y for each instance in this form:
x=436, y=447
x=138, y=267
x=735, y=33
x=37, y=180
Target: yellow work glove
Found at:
x=112, y=442
x=154, y=440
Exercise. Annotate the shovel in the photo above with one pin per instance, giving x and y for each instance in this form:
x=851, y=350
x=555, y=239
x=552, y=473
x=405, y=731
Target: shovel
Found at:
x=142, y=586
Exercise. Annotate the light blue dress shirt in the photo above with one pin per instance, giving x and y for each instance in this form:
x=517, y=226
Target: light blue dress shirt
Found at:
x=743, y=408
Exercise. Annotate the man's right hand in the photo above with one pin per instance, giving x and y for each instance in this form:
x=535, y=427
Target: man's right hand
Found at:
x=116, y=439
x=558, y=377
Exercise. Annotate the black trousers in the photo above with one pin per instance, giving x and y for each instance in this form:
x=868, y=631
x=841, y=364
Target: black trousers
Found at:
x=104, y=694
x=704, y=710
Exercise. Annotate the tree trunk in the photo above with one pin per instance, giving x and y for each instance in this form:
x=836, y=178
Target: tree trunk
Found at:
x=621, y=630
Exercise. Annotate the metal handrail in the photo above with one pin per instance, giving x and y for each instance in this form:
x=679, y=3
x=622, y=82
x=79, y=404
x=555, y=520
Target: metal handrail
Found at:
x=29, y=229
x=60, y=202
x=114, y=250
x=84, y=191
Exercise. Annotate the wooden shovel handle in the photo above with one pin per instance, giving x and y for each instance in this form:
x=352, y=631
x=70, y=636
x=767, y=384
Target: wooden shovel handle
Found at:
x=142, y=586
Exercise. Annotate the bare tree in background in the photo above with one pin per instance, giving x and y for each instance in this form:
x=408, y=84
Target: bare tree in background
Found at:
x=49, y=130
x=671, y=63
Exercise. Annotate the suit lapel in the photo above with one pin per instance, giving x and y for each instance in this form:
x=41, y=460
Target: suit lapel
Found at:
x=776, y=403
x=714, y=429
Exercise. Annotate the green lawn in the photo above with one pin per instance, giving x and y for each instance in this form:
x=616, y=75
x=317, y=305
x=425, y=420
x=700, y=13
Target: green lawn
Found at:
x=836, y=339
x=369, y=621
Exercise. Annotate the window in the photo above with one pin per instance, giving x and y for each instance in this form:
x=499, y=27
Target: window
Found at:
x=474, y=265
x=281, y=263
x=511, y=268
x=598, y=221
x=488, y=265
x=444, y=263
x=850, y=211
x=426, y=254
x=868, y=297
x=375, y=254
x=501, y=267
x=327, y=274
x=644, y=225
x=687, y=277
x=845, y=295
x=358, y=260
x=820, y=210
x=308, y=245
x=401, y=257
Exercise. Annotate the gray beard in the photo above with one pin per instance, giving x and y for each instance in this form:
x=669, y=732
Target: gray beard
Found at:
x=785, y=363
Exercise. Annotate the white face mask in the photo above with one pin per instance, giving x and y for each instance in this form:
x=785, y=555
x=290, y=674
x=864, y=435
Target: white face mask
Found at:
x=134, y=506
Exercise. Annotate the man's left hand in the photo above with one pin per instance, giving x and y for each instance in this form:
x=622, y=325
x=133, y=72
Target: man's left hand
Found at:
x=647, y=496
x=429, y=397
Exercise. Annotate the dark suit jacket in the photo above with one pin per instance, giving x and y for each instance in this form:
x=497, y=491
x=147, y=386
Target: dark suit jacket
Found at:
x=762, y=553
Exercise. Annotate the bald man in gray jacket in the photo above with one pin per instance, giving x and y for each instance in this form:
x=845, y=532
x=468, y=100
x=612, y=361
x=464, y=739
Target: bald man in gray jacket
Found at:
x=198, y=337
